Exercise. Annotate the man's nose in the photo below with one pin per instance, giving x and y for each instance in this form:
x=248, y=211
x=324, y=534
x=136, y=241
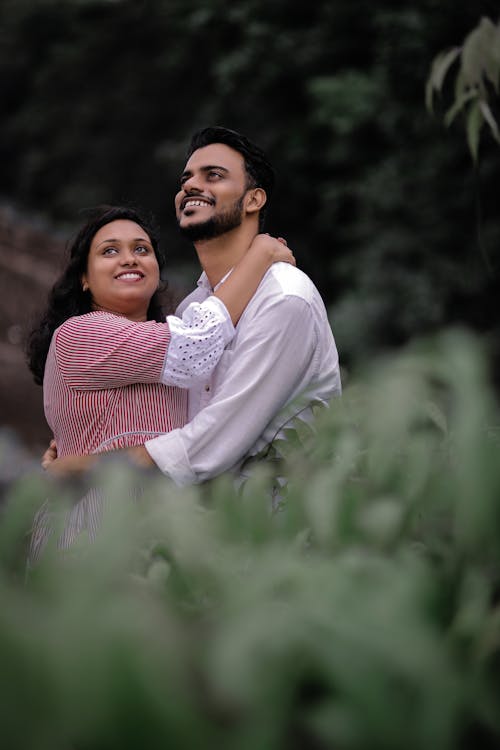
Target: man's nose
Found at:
x=192, y=184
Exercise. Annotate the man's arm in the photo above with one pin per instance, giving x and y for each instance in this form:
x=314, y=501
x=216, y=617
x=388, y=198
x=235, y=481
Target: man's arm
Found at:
x=68, y=466
x=267, y=369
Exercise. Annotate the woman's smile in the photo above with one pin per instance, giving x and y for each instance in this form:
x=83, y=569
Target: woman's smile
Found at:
x=130, y=276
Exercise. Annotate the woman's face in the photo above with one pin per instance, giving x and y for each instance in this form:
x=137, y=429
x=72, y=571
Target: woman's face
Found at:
x=122, y=270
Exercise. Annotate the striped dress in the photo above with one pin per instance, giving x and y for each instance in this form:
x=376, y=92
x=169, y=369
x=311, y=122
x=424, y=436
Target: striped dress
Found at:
x=102, y=388
x=103, y=391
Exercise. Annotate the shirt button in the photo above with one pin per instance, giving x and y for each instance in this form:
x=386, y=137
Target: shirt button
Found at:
x=207, y=388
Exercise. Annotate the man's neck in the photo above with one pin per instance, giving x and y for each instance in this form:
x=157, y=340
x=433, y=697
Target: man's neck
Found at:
x=219, y=255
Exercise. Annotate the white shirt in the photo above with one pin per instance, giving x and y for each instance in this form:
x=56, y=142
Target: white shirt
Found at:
x=282, y=357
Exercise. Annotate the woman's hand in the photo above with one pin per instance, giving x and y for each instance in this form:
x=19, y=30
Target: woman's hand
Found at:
x=238, y=289
x=274, y=249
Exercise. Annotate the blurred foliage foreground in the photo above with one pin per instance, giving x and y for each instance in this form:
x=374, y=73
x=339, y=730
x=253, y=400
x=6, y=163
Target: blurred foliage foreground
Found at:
x=362, y=614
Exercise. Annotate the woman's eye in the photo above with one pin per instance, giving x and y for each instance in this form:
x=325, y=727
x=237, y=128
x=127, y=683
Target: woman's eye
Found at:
x=110, y=251
x=142, y=249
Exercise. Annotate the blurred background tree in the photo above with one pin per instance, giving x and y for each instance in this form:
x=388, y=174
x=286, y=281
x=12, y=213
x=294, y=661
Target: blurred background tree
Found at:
x=378, y=200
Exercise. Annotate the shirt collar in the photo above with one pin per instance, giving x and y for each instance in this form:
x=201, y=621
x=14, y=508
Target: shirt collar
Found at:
x=204, y=283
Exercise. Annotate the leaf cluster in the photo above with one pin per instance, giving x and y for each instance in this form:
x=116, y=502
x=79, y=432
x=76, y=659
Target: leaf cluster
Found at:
x=478, y=77
x=361, y=613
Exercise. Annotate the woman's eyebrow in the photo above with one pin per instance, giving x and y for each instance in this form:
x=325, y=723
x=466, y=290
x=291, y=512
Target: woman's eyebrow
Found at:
x=136, y=239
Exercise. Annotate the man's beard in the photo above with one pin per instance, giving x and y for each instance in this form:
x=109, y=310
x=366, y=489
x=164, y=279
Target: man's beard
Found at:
x=216, y=225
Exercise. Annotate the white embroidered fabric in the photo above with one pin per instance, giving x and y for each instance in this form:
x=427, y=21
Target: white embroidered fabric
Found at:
x=197, y=342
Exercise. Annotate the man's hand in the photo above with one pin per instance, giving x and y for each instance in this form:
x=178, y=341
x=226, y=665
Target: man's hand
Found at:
x=139, y=457
x=50, y=455
x=71, y=466
x=62, y=468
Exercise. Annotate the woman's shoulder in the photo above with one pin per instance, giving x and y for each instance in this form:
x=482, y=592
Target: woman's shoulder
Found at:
x=108, y=330
x=86, y=326
x=92, y=319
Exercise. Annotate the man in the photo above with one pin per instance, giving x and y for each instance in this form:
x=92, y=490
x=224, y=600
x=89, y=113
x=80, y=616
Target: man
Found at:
x=283, y=357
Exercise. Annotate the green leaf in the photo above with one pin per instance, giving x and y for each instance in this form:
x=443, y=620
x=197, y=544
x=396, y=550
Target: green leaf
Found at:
x=437, y=415
x=460, y=86
x=495, y=46
x=492, y=65
x=488, y=116
x=473, y=128
x=440, y=67
x=458, y=106
x=473, y=56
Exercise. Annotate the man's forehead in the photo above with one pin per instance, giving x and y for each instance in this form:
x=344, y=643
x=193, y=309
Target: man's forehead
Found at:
x=213, y=155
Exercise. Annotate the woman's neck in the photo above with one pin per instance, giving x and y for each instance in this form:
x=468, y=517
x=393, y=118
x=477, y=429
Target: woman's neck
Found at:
x=137, y=316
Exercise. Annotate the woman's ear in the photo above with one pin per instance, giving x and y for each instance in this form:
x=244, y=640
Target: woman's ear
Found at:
x=85, y=286
x=255, y=199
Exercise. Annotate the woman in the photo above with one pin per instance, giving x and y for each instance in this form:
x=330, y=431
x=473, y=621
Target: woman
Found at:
x=113, y=369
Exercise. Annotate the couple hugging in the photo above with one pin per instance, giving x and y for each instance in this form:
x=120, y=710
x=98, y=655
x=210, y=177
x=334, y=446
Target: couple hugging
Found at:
x=199, y=392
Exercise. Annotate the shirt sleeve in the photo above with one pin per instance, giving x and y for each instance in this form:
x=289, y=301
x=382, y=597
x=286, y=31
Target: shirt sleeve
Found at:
x=261, y=378
x=102, y=350
x=197, y=342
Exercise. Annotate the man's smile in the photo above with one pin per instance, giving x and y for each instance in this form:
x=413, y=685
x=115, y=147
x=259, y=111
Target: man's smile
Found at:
x=190, y=202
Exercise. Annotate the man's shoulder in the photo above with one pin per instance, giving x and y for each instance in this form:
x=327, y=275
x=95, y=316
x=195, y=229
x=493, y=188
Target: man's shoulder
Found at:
x=286, y=280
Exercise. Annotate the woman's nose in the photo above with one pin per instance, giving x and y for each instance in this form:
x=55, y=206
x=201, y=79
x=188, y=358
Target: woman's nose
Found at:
x=128, y=258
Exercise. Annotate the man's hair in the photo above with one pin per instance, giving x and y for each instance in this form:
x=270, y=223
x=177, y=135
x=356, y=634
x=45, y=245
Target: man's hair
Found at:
x=259, y=171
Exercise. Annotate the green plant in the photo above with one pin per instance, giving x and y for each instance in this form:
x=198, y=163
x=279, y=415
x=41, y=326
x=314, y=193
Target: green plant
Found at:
x=361, y=614
x=477, y=78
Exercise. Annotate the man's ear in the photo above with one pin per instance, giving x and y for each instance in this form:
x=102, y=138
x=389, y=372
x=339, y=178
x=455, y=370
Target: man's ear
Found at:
x=255, y=200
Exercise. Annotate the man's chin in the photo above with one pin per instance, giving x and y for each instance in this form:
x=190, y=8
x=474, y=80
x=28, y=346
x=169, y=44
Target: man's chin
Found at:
x=216, y=226
x=198, y=231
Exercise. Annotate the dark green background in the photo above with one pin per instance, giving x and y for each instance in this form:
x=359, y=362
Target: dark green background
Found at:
x=377, y=199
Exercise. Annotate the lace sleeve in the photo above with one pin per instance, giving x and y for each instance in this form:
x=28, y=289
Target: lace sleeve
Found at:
x=197, y=342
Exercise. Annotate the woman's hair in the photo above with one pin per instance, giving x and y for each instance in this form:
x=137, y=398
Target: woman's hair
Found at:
x=67, y=297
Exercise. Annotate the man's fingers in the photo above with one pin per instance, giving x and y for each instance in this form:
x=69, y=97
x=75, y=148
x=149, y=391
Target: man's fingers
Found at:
x=47, y=460
x=50, y=455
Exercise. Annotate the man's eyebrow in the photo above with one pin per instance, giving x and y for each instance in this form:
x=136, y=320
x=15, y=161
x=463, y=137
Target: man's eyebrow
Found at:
x=207, y=168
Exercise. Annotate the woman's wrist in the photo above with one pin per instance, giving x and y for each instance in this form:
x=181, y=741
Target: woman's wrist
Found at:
x=263, y=249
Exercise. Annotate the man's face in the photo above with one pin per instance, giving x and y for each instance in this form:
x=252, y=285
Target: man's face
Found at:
x=213, y=188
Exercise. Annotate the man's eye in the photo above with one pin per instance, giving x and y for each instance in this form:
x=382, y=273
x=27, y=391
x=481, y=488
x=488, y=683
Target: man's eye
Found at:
x=214, y=175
